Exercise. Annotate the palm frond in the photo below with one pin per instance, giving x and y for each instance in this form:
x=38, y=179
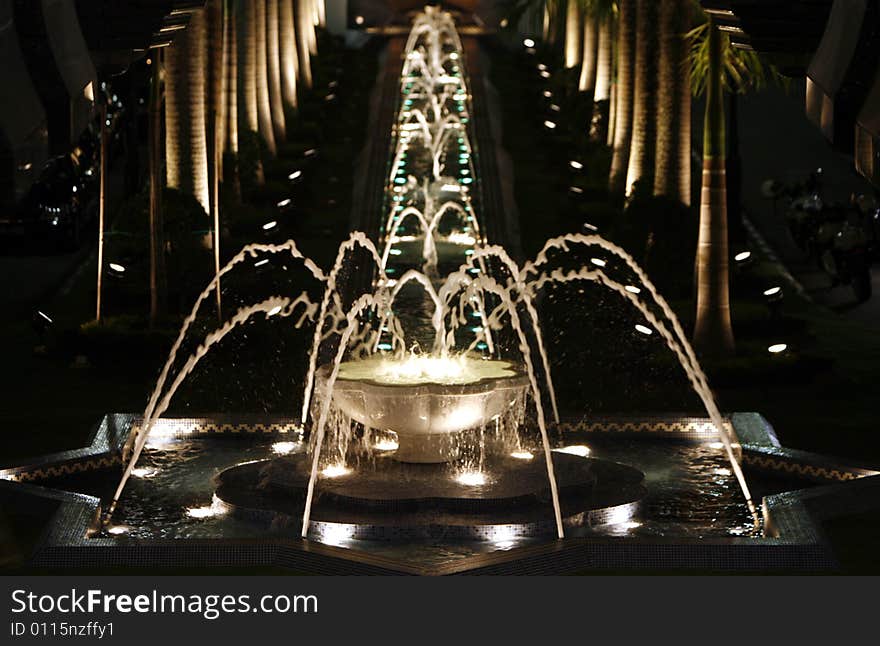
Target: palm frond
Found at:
x=743, y=69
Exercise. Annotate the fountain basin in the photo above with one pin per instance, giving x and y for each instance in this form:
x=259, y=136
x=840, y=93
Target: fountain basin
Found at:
x=427, y=412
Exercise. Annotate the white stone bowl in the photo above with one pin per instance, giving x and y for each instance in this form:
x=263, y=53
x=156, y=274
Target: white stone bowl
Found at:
x=427, y=417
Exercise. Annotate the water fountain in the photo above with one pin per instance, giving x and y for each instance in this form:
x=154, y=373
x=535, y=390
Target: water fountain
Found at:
x=410, y=443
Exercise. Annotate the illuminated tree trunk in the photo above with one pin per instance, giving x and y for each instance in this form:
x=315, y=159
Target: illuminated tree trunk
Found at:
x=215, y=104
x=230, y=129
x=311, y=21
x=612, y=115
x=587, y=82
x=303, y=25
x=273, y=61
x=289, y=57
x=672, y=172
x=264, y=104
x=248, y=114
x=604, y=76
x=713, y=333
x=546, y=27
x=644, y=133
x=157, y=238
x=216, y=79
x=573, y=49
x=624, y=98
x=186, y=152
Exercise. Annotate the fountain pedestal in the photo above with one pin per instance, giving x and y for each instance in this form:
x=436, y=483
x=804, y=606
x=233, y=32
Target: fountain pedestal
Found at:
x=428, y=418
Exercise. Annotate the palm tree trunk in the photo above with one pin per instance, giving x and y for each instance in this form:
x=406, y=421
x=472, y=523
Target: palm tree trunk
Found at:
x=231, y=178
x=185, y=142
x=311, y=21
x=264, y=105
x=612, y=115
x=573, y=51
x=623, y=120
x=604, y=76
x=216, y=78
x=303, y=25
x=250, y=161
x=642, y=152
x=273, y=62
x=289, y=58
x=672, y=171
x=713, y=333
x=157, y=237
x=587, y=81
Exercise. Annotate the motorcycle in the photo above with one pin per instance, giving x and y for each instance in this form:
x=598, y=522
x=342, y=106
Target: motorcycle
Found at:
x=843, y=252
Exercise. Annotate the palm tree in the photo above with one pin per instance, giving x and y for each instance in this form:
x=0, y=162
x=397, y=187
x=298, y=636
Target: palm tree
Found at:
x=157, y=238
x=186, y=154
x=716, y=67
x=623, y=119
x=604, y=12
x=231, y=112
x=644, y=126
x=264, y=105
x=273, y=61
x=573, y=51
x=303, y=47
x=672, y=169
x=587, y=81
x=289, y=57
x=246, y=92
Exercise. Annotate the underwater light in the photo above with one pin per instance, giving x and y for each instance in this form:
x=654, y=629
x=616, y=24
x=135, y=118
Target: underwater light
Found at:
x=742, y=256
x=522, y=455
x=284, y=202
x=275, y=310
x=632, y=289
x=335, y=471
x=528, y=42
x=295, y=175
x=143, y=472
x=270, y=225
x=386, y=444
x=777, y=348
x=117, y=268
x=598, y=262
x=576, y=165
x=550, y=125
x=576, y=449
x=283, y=448
x=216, y=508
x=644, y=329
x=118, y=530
x=471, y=478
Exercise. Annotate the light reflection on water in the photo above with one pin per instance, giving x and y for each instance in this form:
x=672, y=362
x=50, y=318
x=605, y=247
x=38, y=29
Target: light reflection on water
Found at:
x=691, y=494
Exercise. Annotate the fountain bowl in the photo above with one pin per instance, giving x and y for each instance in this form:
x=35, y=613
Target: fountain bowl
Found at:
x=427, y=415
